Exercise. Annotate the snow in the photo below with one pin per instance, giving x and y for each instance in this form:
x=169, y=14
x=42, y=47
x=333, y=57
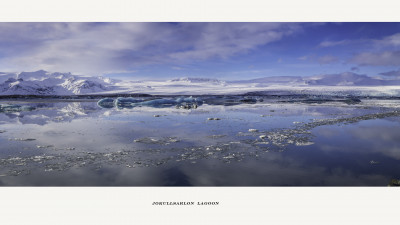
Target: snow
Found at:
x=344, y=84
x=45, y=83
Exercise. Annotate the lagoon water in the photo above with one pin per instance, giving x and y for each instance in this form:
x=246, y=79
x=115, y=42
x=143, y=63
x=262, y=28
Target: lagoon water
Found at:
x=57, y=142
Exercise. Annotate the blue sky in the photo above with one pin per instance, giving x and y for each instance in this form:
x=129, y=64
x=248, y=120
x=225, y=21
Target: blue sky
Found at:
x=228, y=51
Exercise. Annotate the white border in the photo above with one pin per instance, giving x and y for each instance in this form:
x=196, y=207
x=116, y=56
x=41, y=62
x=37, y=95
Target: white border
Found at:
x=204, y=10
x=238, y=205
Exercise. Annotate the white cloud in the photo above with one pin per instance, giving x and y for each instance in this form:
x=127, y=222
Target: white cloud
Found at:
x=387, y=58
x=93, y=48
x=392, y=40
x=303, y=58
x=327, y=59
x=334, y=43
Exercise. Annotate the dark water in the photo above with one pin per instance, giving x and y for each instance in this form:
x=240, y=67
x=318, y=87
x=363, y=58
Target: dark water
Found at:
x=270, y=143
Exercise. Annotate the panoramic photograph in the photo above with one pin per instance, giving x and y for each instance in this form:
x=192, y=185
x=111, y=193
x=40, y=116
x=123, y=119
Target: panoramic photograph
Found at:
x=200, y=104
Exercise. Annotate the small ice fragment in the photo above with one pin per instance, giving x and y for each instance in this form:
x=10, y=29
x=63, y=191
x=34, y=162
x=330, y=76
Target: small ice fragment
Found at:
x=304, y=143
x=157, y=115
x=22, y=139
x=262, y=143
x=160, y=141
x=70, y=148
x=44, y=146
x=263, y=136
x=2, y=131
x=216, y=136
x=253, y=130
x=373, y=162
x=213, y=119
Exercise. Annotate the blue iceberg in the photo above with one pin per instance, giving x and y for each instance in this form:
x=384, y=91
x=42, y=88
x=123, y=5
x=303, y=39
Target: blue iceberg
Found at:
x=6, y=108
x=121, y=103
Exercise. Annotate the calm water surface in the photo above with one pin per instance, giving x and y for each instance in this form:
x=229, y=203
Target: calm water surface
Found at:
x=270, y=143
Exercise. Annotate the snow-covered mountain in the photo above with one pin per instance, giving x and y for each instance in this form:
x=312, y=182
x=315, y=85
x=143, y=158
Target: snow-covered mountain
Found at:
x=195, y=80
x=275, y=80
x=342, y=79
x=45, y=83
x=348, y=79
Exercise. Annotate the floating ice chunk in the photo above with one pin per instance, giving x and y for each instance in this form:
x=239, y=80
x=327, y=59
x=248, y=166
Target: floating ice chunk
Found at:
x=156, y=103
x=261, y=143
x=15, y=108
x=373, y=162
x=253, y=130
x=300, y=143
x=189, y=100
x=229, y=157
x=44, y=146
x=213, y=119
x=185, y=105
x=130, y=102
x=126, y=102
x=106, y=103
x=217, y=136
x=160, y=141
x=21, y=139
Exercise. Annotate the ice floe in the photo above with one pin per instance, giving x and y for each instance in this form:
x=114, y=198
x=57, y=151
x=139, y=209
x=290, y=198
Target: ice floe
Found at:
x=7, y=108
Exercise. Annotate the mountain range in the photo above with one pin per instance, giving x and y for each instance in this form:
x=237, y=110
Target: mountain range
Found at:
x=45, y=83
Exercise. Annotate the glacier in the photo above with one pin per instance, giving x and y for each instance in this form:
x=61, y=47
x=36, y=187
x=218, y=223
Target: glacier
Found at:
x=43, y=83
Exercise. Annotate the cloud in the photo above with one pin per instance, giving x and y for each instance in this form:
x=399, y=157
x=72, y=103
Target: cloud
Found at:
x=96, y=47
x=386, y=58
x=327, y=59
x=393, y=73
x=303, y=58
x=334, y=43
x=392, y=40
x=354, y=68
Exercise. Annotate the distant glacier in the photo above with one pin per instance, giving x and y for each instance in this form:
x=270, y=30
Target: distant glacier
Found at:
x=43, y=83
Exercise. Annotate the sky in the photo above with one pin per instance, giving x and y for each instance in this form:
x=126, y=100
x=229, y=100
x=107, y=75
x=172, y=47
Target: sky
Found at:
x=227, y=51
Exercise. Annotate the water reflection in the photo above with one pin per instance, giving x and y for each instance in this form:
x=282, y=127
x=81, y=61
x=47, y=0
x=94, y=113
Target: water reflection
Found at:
x=252, y=144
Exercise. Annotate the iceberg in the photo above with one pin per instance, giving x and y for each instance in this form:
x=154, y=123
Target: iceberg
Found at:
x=121, y=102
x=186, y=103
x=106, y=103
x=6, y=108
x=129, y=102
x=231, y=100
